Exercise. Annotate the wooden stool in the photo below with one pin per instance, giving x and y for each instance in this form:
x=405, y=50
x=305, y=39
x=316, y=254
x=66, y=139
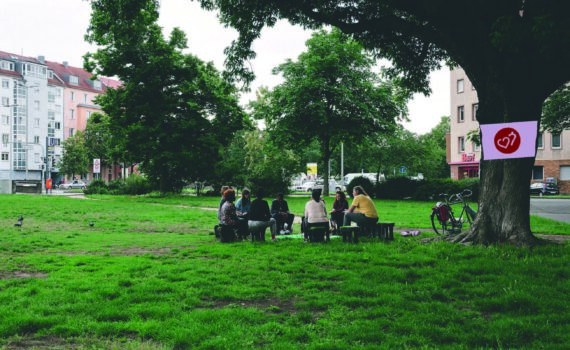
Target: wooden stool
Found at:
x=386, y=231
x=317, y=234
x=227, y=234
x=349, y=234
x=258, y=235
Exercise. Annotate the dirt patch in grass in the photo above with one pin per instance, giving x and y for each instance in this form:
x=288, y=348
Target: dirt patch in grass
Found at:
x=39, y=343
x=269, y=305
x=6, y=275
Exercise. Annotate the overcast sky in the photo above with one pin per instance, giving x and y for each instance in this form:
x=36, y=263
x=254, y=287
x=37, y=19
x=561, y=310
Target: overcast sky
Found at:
x=55, y=29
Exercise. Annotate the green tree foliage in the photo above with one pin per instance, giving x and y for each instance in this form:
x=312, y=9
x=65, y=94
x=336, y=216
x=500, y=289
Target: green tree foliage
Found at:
x=75, y=160
x=435, y=151
x=516, y=54
x=330, y=95
x=556, y=111
x=174, y=112
x=269, y=165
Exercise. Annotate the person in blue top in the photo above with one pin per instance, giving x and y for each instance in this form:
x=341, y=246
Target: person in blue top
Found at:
x=243, y=206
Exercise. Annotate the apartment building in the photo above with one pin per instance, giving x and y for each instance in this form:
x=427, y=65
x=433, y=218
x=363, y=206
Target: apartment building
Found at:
x=42, y=103
x=463, y=156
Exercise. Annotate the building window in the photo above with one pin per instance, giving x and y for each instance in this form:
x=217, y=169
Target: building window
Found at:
x=71, y=131
x=36, y=139
x=474, y=109
x=538, y=172
x=89, y=113
x=476, y=147
x=37, y=105
x=85, y=98
x=5, y=101
x=7, y=65
x=72, y=113
x=540, y=140
x=73, y=79
x=57, y=125
x=36, y=122
x=461, y=144
x=5, y=156
x=460, y=85
x=5, y=83
x=5, y=119
x=72, y=95
x=555, y=141
x=460, y=114
x=5, y=139
x=97, y=84
x=565, y=172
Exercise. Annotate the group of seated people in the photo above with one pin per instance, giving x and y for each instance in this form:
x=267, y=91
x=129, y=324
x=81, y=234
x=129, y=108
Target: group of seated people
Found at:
x=248, y=215
x=362, y=211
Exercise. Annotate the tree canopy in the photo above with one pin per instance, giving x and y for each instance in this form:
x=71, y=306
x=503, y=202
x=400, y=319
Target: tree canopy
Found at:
x=330, y=95
x=516, y=54
x=174, y=111
x=556, y=111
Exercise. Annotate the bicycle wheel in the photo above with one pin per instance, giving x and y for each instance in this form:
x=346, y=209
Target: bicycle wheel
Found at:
x=438, y=226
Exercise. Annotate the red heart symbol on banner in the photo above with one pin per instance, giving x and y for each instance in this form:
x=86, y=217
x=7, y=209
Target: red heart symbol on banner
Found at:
x=504, y=142
x=507, y=140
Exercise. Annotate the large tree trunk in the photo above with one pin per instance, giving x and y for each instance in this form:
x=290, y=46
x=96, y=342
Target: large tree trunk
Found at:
x=504, y=204
x=504, y=199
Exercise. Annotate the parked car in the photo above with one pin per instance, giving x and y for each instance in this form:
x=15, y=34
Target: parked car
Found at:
x=319, y=184
x=76, y=184
x=541, y=188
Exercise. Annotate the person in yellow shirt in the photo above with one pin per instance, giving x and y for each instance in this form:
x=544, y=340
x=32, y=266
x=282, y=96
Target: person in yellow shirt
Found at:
x=362, y=211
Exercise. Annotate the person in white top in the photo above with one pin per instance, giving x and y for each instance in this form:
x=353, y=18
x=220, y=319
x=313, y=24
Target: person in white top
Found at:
x=316, y=214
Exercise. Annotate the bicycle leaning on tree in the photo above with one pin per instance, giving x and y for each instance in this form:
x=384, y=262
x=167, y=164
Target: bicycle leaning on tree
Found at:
x=444, y=220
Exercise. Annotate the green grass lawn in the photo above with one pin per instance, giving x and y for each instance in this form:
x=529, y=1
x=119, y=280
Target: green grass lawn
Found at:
x=149, y=275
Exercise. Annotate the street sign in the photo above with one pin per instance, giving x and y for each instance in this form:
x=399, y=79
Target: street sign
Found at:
x=402, y=169
x=96, y=166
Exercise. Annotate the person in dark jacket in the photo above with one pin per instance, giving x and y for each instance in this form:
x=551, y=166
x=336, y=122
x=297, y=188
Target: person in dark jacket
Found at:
x=280, y=212
x=340, y=205
x=259, y=215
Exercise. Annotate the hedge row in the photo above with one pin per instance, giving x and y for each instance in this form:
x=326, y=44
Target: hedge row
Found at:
x=133, y=185
x=405, y=188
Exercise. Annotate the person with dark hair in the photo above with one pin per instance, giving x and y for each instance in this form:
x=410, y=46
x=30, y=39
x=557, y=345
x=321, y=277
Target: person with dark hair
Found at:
x=228, y=214
x=260, y=217
x=316, y=214
x=362, y=211
x=280, y=212
x=340, y=205
x=242, y=208
x=222, y=200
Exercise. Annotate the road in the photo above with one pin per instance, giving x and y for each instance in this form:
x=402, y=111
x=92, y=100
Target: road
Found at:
x=556, y=209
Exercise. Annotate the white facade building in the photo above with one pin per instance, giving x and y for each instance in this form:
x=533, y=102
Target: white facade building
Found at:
x=31, y=123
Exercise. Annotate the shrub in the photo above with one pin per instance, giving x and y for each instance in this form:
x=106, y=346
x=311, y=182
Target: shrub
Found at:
x=96, y=186
x=430, y=189
x=397, y=188
x=136, y=185
x=364, y=182
x=133, y=185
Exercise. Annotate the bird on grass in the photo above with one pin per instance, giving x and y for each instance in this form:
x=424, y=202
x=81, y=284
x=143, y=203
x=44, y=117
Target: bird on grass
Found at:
x=91, y=223
x=20, y=221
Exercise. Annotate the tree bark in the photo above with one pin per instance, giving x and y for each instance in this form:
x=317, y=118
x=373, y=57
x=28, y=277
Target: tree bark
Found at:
x=504, y=194
x=504, y=205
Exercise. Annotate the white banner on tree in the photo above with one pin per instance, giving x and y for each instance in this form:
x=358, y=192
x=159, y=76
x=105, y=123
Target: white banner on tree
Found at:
x=509, y=140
